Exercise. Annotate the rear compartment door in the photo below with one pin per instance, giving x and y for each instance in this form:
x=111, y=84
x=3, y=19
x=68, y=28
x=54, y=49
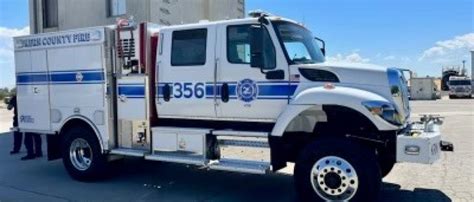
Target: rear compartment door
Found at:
x=33, y=90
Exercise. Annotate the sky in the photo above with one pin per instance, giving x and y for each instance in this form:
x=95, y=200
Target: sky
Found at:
x=422, y=35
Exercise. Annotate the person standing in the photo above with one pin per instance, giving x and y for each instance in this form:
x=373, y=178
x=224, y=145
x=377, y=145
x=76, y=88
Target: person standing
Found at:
x=17, y=136
x=33, y=146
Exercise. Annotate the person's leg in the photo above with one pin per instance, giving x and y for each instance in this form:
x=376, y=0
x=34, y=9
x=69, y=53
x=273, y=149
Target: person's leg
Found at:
x=38, y=149
x=29, y=147
x=17, y=140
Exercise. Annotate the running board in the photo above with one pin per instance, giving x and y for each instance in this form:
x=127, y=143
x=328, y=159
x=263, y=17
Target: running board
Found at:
x=234, y=165
x=176, y=157
x=128, y=152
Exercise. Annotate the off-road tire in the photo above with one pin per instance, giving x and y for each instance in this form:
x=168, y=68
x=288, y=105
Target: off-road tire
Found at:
x=362, y=158
x=98, y=166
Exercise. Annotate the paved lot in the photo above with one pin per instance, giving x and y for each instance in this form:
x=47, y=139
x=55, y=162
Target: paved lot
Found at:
x=451, y=179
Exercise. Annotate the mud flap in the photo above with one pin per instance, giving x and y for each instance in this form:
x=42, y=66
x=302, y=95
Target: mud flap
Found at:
x=54, y=147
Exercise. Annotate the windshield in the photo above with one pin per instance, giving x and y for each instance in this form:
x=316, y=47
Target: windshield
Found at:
x=460, y=83
x=299, y=44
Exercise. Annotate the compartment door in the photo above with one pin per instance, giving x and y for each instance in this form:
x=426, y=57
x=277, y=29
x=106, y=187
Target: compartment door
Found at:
x=131, y=103
x=33, y=90
x=132, y=112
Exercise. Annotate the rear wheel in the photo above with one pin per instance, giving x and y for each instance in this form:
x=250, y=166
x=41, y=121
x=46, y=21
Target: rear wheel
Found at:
x=337, y=170
x=82, y=155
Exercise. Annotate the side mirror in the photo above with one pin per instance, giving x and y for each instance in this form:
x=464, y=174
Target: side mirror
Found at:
x=256, y=46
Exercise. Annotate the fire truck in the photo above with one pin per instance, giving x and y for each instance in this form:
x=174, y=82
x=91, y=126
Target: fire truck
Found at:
x=244, y=95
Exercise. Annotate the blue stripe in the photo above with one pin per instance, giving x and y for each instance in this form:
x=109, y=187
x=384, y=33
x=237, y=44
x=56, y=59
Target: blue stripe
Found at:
x=132, y=91
x=89, y=76
x=268, y=90
x=279, y=90
x=32, y=78
x=69, y=77
x=209, y=90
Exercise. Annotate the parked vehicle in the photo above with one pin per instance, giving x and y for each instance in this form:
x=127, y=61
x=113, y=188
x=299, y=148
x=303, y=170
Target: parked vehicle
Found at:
x=460, y=87
x=188, y=93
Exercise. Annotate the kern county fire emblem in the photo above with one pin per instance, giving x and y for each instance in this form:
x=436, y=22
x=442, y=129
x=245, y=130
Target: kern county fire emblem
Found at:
x=247, y=90
x=79, y=77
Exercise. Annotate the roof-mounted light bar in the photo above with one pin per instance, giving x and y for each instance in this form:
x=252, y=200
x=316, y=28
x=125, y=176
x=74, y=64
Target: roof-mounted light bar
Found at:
x=258, y=13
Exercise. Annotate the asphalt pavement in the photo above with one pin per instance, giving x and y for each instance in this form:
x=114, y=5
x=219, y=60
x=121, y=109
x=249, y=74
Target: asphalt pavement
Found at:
x=450, y=179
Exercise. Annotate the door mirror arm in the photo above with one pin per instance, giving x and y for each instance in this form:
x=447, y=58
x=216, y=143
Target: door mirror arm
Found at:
x=256, y=46
x=323, y=49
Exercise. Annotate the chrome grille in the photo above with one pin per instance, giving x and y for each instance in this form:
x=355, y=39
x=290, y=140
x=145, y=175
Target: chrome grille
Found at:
x=460, y=90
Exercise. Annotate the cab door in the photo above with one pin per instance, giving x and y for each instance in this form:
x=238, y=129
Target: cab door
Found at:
x=243, y=92
x=186, y=72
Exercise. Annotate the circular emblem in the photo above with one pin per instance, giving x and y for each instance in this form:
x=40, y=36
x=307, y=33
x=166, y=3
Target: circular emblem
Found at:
x=79, y=76
x=247, y=90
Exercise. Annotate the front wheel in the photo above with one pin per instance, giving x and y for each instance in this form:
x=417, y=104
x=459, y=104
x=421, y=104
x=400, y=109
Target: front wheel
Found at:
x=337, y=170
x=82, y=155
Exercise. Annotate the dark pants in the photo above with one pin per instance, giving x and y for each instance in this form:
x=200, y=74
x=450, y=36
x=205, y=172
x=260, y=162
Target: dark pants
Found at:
x=30, y=140
x=17, y=138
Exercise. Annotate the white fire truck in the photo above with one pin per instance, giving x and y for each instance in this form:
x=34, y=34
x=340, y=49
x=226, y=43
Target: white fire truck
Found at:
x=246, y=95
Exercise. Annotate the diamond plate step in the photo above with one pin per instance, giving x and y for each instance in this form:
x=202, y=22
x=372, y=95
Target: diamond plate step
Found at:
x=234, y=165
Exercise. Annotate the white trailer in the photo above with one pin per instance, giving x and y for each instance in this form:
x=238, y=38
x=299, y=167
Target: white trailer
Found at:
x=190, y=93
x=423, y=88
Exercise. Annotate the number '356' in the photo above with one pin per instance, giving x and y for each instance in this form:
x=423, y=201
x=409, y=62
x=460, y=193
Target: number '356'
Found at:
x=188, y=90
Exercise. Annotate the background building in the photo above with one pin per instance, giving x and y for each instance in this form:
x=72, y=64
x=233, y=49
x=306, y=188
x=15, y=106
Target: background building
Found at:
x=55, y=15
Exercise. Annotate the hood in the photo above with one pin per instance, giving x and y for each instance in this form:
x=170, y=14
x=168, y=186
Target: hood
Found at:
x=354, y=73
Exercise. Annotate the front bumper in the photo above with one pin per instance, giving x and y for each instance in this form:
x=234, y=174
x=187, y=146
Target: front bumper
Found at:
x=421, y=141
x=460, y=94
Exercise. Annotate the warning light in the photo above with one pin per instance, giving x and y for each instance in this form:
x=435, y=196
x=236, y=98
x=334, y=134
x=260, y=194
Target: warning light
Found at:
x=329, y=86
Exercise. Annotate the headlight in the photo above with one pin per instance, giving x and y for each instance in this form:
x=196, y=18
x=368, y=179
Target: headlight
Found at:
x=384, y=110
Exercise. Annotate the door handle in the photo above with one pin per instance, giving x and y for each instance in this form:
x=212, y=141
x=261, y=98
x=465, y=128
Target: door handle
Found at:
x=35, y=90
x=225, y=92
x=166, y=92
x=123, y=98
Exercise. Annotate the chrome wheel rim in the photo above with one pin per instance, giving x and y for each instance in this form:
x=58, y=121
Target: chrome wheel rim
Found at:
x=80, y=154
x=334, y=179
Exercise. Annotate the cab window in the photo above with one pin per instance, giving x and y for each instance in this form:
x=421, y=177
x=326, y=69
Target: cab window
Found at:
x=238, y=46
x=189, y=47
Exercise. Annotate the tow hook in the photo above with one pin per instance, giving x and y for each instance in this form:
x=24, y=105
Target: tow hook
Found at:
x=446, y=146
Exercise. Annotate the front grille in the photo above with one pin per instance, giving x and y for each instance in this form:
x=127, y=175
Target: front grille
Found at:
x=460, y=90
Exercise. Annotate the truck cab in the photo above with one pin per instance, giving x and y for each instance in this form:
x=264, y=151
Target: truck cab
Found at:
x=460, y=87
x=245, y=95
